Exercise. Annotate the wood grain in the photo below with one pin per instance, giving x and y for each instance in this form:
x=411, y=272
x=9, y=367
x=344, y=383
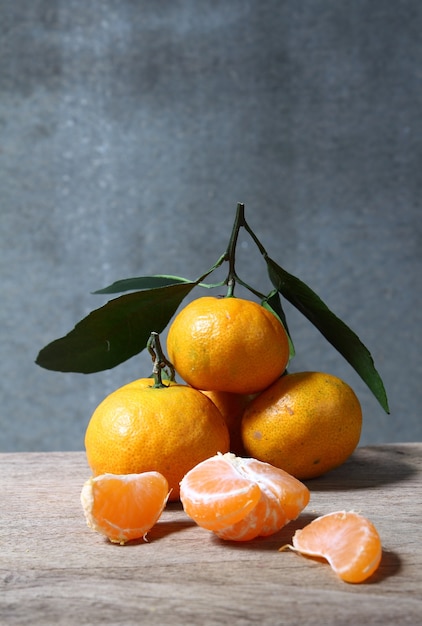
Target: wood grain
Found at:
x=54, y=570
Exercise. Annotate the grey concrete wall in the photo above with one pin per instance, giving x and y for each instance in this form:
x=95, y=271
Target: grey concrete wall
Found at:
x=130, y=130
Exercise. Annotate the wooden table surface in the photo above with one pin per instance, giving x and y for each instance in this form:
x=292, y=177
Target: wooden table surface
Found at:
x=55, y=570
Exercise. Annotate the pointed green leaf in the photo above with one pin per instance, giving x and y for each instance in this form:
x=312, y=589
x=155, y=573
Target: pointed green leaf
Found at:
x=273, y=303
x=142, y=282
x=334, y=330
x=115, y=332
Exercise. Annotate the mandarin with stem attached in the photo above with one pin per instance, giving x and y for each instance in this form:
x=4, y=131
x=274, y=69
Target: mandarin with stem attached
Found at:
x=227, y=344
x=306, y=423
x=167, y=429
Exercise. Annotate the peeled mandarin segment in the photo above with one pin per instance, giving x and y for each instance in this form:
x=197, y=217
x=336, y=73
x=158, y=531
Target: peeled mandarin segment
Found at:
x=265, y=519
x=124, y=507
x=349, y=542
x=215, y=495
x=292, y=495
x=283, y=497
x=241, y=498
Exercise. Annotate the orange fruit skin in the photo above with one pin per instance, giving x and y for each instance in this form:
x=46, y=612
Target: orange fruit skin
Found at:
x=306, y=423
x=168, y=430
x=143, y=383
x=231, y=406
x=350, y=543
x=241, y=498
x=125, y=507
x=227, y=344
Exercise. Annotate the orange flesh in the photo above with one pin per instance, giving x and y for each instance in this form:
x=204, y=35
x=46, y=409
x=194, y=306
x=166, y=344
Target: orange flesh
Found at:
x=216, y=495
x=348, y=541
x=124, y=507
x=241, y=498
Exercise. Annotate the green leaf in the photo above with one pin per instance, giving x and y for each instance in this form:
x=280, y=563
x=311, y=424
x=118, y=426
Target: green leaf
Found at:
x=334, y=329
x=142, y=282
x=273, y=303
x=115, y=332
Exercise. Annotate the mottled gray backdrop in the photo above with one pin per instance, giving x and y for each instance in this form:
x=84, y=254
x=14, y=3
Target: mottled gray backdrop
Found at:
x=130, y=129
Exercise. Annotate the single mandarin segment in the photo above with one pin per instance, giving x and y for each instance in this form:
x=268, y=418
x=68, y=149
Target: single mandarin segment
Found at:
x=240, y=499
x=306, y=423
x=126, y=507
x=348, y=541
x=166, y=429
x=227, y=344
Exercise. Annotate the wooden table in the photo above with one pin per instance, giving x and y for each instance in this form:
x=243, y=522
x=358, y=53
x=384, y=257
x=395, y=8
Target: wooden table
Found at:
x=55, y=570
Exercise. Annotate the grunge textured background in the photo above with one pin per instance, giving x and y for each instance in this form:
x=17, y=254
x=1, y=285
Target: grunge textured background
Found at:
x=130, y=130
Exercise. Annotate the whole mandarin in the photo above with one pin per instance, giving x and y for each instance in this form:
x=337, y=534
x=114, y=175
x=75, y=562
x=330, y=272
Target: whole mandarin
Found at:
x=167, y=429
x=306, y=423
x=227, y=344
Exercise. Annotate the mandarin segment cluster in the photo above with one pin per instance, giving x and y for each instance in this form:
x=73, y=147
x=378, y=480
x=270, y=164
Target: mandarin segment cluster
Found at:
x=232, y=441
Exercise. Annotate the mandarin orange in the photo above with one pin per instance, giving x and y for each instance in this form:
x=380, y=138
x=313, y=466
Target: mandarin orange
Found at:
x=227, y=344
x=231, y=406
x=165, y=429
x=306, y=423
